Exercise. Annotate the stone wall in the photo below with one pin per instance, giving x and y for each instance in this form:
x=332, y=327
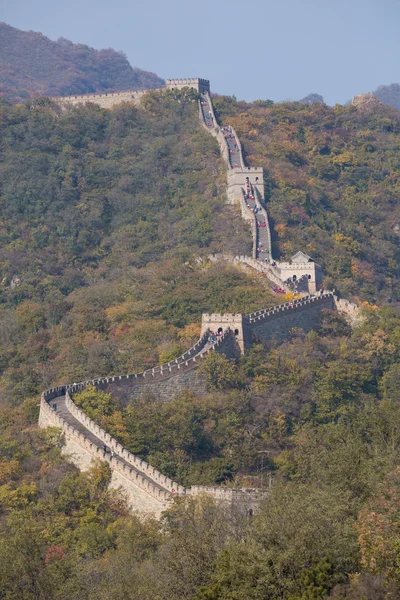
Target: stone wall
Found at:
x=277, y=323
x=143, y=493
x=147, y=489
x=245, y=500
x=140, y=466
x=236, y=183
x=103, y=100
x=168, y=379
x=108, y=100
x=128, y=390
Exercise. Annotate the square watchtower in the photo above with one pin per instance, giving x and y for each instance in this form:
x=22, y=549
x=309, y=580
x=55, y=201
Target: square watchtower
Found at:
x=200, y=85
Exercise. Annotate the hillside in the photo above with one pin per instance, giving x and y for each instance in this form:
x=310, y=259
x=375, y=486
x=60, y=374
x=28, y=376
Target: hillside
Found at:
x=103, y=216
x=107, y=219
x=33, y=65
x=333, y=187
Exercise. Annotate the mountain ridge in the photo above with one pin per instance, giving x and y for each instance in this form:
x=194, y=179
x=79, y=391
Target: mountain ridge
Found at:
x=32, y=65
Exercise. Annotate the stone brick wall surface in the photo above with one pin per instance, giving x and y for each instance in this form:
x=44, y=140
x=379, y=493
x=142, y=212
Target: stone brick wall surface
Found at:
x=103, y=100
x=278, y=324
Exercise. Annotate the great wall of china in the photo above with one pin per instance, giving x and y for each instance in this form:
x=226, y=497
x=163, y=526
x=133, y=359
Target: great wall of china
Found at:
x=148, y=490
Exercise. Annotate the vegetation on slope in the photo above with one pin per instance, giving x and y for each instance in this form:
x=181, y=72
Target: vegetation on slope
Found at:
x=333, y=188
x=106, y=216
x=323, y=409
x=33, y=65
x=107, y=219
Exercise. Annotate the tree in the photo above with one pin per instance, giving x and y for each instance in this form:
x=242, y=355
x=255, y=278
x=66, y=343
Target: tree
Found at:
x=219, y=371
x=95, y=403
x=378, y=529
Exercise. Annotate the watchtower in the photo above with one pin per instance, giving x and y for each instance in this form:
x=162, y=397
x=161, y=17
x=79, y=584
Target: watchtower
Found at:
x=200, y=85
x=220, y=323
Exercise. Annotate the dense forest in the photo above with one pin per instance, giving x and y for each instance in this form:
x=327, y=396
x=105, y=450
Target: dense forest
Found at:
x=107, y=220
x=32, y=65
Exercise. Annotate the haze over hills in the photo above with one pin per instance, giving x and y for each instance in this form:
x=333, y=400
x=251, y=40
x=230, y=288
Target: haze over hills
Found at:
x=33, y=65
x=389, y=94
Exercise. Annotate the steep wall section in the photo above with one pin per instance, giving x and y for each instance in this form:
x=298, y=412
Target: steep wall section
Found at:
x=83, y=442
x=239, y=179
x=165, y=381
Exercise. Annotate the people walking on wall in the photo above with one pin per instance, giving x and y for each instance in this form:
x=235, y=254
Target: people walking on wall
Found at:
x=105, y=449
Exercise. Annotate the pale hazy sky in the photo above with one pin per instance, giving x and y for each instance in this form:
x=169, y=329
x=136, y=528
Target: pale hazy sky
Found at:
x=278, y=49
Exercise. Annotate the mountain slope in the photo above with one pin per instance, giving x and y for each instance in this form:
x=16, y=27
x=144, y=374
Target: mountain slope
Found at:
x=33, y=65
x=121, y=200
x=332, y=181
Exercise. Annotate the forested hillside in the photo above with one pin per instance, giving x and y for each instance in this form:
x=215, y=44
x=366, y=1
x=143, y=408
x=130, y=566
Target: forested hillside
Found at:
x=103, y=213
x=333, y=187
x=107, y=218
x=33, y=65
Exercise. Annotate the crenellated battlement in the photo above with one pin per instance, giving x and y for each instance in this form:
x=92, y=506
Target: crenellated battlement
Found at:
x=105, y=100
x=258, y=170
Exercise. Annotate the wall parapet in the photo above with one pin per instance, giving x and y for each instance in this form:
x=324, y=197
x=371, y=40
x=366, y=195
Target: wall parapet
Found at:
x=48, y=414
x=291, y=307
x=134, y=469
x=141, y=466
x=94, y=96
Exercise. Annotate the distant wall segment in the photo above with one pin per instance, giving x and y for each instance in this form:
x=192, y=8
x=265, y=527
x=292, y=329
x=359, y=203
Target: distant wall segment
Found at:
x=108, y=100
x=103, y=100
